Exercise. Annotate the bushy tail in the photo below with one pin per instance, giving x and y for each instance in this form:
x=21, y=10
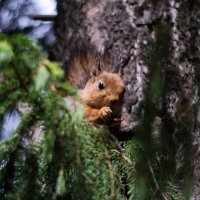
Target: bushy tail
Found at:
x=84, y=59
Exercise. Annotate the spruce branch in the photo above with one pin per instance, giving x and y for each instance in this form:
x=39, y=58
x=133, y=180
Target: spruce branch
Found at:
x=109, y=161
x=155, y=181
x=10, y=145
x=125, y=158
x=21, y=80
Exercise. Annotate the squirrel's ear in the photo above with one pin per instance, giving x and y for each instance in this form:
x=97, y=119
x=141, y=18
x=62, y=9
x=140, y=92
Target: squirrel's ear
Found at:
x=96, y=70
x=99, y=67
x=93, y=72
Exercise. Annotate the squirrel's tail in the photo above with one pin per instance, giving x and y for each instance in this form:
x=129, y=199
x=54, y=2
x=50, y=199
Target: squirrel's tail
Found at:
x=84, y=59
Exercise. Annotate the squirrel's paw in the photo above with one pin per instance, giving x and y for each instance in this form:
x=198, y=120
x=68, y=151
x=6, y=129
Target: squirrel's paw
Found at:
x=105, y=113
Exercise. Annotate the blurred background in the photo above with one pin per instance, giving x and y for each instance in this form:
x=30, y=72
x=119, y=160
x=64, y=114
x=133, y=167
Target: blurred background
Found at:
x=15, y=17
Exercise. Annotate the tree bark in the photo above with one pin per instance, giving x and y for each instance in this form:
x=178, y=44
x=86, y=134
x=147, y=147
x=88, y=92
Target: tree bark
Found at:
x=128, y=30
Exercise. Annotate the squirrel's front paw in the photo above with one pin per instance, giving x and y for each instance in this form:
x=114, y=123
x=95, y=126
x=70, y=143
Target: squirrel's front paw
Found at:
x=105, y=113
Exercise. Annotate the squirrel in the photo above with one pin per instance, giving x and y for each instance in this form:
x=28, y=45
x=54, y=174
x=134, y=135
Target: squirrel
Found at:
x=101, y=90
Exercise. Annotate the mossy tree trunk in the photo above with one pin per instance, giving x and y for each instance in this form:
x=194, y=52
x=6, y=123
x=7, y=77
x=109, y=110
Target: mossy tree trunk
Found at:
x=138, y=36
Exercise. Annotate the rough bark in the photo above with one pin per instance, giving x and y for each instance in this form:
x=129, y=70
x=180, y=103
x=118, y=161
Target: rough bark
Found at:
x=126, y=30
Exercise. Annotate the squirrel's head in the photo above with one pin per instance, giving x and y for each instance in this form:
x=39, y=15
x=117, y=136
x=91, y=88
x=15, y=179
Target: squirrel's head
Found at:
x=104, y=89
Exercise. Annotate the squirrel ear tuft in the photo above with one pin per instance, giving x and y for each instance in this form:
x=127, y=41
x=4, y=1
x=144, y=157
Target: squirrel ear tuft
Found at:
x=96, y=70
x=99, y=67
x=93, y=71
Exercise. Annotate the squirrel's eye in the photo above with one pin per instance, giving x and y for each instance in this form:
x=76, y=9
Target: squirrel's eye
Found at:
x=101, y=85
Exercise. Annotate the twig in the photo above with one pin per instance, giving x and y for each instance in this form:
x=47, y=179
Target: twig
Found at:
x=42, y=17
x=123, y=156
x=155, y=181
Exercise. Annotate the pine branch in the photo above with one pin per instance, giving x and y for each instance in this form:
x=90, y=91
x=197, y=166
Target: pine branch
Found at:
x=125, y=158
x=155, y=182
x=108, y=158
x=13, y=65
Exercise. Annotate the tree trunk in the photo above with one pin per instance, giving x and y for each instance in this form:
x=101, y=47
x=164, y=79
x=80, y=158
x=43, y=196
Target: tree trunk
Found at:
x=139, y=35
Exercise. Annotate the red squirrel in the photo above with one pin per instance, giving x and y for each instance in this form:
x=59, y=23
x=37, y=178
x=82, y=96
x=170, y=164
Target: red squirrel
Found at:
x=101, y=90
